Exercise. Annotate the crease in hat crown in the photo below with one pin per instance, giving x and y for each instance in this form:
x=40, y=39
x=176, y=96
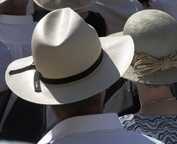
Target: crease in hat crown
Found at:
x=57, y=4
x=154, y=33
x=64, y=45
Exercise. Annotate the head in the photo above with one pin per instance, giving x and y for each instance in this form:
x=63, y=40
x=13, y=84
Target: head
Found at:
x=153, y=70
x=92, y=105
x=14, y=7
x=155, y=59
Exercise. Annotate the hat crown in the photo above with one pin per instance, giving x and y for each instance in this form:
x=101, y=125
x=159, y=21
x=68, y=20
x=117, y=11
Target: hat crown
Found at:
x=154, y=32
x=64, y=45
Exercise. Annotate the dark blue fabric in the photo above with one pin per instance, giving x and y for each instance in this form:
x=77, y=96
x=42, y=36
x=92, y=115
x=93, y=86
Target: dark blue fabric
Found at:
x=4, y=97
x=98, y=22
x=25, y=122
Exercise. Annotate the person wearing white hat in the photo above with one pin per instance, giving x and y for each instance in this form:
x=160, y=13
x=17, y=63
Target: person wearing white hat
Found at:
x=16, y=31
x=42, y=7
x=153, y=75
x=70, y=69
x=95, y=19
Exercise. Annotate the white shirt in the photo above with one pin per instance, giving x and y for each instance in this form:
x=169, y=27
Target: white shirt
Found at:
x=93, y=129
x=116, y=12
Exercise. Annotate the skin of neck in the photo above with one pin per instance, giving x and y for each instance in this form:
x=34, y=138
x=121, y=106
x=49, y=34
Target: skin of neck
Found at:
x=14, y=7
x=156, y=100
x=93, y=105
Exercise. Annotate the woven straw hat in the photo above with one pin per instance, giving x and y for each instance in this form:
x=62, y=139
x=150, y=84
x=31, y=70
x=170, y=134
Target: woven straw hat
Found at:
x=69, y=62
x=154, y=33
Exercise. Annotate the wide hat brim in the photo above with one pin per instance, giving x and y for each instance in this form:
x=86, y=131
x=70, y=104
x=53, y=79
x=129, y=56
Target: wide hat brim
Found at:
x=156, y=78
x=117, y=57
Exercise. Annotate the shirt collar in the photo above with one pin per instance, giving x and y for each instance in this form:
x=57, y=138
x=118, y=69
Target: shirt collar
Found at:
x=83, y=124
x=13, y=19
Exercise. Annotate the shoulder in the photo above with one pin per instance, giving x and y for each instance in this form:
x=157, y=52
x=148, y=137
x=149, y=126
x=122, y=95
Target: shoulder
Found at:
x=113, y=137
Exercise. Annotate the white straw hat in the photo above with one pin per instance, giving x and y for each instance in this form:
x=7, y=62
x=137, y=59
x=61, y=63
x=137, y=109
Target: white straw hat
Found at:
x=2, y=1
x=154, y=33
x=71, y=62
x=57, y=4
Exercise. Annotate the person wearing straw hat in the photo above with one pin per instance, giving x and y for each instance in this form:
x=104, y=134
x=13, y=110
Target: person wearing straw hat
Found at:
x=42, y=7
x=115, y=13
x=96, y=20
x=153, y=74
x=69, y=70
x=123, y=103
x=16, y=31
